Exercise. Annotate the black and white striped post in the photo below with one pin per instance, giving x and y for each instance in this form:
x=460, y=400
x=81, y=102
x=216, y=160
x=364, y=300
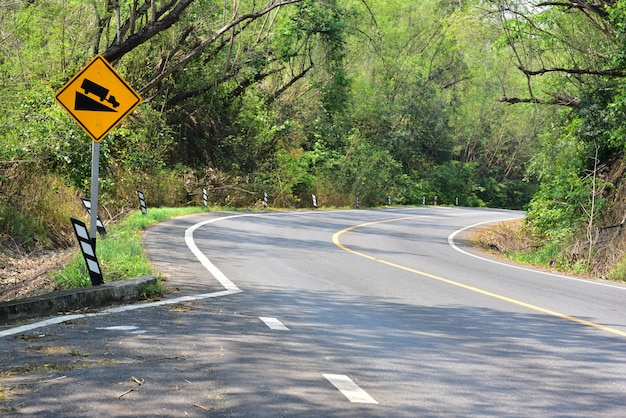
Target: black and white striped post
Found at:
x=89, y=252
x=142, y=202
x=205, y=197
x=357, y=202
x=99, y=225
x=389, y=200
x=314, y=201
x=265, y=198
x=456, y=201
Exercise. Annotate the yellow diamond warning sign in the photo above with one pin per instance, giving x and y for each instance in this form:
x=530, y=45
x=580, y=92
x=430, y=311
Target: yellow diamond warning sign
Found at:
x=98, y=98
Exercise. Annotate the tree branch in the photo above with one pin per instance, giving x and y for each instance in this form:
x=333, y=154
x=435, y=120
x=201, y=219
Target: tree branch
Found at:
x=571, y=102
x=117, y=51
x=220, y=32
x=578, y=4
x=607, y=73
x=291, y=82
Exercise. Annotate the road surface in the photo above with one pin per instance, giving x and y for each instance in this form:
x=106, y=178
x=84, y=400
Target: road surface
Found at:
x=358, y=313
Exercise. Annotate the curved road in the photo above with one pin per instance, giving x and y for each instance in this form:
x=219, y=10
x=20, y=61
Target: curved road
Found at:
x=350, y=313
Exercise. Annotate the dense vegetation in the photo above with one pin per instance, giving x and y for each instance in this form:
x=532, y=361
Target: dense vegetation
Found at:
x=500, y=103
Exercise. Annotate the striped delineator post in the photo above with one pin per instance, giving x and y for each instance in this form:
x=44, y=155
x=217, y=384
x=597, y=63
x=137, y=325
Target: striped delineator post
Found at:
x=142, y=202
x=314, y=201
x=205, y=197
x=88, y=249
x=99, y=225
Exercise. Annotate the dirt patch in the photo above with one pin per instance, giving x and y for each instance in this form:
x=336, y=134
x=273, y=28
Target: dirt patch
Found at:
x=30, y=275
x=502, y=237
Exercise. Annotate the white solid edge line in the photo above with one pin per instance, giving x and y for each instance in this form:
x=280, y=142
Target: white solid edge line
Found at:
x=215, y=272
x=453, y=245
x=273, y=323
x=35, y=325
x=349, y=389
x=64, y=318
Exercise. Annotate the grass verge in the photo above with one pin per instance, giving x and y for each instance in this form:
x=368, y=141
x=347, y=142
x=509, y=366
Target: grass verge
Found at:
x=120, y=253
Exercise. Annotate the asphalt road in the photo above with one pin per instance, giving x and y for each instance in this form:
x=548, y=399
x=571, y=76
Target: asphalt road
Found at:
x=374, y=313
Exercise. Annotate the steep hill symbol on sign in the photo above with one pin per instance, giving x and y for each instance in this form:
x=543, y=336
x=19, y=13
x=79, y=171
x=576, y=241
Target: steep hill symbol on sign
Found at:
x=84, y=102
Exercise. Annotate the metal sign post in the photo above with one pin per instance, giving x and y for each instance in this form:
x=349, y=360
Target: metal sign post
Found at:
x=95, y=173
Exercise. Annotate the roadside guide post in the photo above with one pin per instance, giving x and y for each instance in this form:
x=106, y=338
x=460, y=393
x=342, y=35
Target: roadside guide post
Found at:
x=98, y=99
x=89, y=253
x=142, y=202
x=99, y=225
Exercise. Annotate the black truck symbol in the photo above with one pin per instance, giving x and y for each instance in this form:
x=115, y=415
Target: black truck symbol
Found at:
x=101, y=92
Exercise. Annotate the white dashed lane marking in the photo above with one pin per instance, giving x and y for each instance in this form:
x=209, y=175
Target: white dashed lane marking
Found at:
x=349, y=389
x=129, y=328
x=273, y=323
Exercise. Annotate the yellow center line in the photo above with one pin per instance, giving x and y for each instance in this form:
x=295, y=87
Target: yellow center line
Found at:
x=338, y=243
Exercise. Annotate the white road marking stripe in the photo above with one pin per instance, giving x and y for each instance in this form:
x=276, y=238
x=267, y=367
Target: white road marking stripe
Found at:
x=273, y=323
x=130, y=328
x=349, y=389
x=65, y=318
x=215, y=272
x=120, y=328
x=40, y=324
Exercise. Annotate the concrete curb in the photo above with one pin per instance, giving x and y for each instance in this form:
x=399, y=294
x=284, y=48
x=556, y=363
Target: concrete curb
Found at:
x=123, y=291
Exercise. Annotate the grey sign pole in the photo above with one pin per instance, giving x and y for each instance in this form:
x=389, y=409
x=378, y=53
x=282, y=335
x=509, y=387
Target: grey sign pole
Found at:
x=95, y=172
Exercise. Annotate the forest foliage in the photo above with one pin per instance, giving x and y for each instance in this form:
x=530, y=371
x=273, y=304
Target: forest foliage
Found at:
x=501, y=103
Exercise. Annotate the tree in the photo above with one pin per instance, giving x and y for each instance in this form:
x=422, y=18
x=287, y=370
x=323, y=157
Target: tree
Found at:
x=566, y=43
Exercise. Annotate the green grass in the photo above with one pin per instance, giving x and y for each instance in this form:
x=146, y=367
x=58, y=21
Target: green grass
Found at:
x=548, y=256
x=618, y=272
x=120, y=253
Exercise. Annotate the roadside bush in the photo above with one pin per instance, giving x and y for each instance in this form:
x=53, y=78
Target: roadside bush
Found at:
x=453, y=180
x=366, y=170
x=35, y=208
x=618, y=271
x=161, y=187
